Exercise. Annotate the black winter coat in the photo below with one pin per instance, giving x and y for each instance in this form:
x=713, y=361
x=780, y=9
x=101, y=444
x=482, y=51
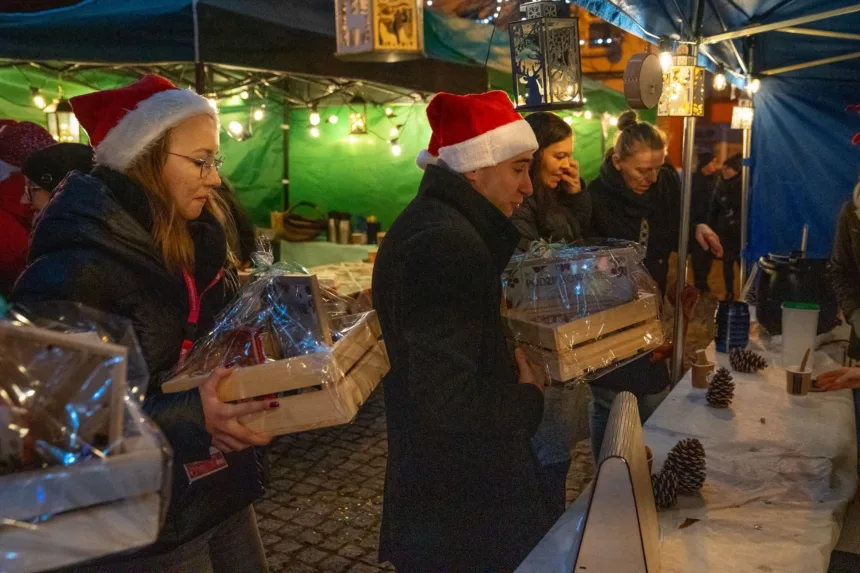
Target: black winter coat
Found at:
x=554, y=215
x=725, y=215
x=462, y=489
x=92, y=245
x=618, y=214
x=702, y=195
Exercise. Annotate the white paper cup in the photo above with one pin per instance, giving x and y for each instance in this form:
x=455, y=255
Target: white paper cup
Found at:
x=799, y=327
x=797, y=381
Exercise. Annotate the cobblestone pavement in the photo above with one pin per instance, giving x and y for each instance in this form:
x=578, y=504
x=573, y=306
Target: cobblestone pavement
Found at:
x=323, y=506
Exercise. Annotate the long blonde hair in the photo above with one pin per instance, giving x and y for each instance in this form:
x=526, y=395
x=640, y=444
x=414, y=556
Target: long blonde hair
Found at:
x=169, y=229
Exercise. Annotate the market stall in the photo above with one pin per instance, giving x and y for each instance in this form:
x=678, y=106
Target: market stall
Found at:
x=781, y=471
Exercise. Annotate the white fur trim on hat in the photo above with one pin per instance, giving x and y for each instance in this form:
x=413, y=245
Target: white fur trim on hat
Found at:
x=490, y=148
x=426, y=158
x=143, y=125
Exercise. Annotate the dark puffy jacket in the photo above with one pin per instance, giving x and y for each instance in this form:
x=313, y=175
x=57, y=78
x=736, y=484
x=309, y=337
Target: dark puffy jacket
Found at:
x=554, y=215
x=462, y=490
x=92, y=245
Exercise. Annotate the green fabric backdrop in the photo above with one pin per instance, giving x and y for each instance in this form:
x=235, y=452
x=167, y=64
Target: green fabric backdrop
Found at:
x=359, y=174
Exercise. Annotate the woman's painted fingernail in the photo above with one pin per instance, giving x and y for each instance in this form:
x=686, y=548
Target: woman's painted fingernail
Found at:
x=273, y=405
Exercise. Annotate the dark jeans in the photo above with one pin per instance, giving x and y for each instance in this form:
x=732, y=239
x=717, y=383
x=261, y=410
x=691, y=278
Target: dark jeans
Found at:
x=234, y=546
x=555, y=482
x=729, y=277
x=702, y=261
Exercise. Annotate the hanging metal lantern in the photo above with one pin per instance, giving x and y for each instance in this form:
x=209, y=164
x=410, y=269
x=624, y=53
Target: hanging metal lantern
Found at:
x=62, y=123
x=545, y=59
x=742, y=114
x=358, y=116
x=379, y=30
x=683, y=86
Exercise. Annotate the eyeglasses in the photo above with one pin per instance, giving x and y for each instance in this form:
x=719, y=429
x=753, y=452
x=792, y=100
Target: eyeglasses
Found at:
x=206, y=165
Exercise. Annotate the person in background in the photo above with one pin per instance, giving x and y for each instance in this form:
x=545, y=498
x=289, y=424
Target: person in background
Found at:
x=704, y=181
x=725, y=216
x=845, y=278
x=462, y=488
x=244, y=225
x=18, y=140
x=46, y=169
x=146, y=237
x=636, y=198
x=559, y=210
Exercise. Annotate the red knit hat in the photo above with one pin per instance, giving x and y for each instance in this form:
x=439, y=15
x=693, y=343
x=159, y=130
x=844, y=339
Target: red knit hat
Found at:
x=475, y=131
x=123, y=123
x=20, y=139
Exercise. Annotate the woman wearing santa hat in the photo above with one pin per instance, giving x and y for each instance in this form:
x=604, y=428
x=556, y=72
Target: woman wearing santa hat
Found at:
x=145, y=236
x=18, y=141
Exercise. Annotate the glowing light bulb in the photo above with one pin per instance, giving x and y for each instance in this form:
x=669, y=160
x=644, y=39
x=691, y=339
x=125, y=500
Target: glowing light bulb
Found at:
x=720, y=81
x=389, y=112
x=315, y=132
x=333, y=119
x=588, y=114
x=396, y=150
x=235, y=128
x=755, y=85
x=39, y=100
x=259, y=114
x=666, y=61
x=244, y=95
x=394, y=132
x=613, y=121
x=315, y=118
x=568, y=120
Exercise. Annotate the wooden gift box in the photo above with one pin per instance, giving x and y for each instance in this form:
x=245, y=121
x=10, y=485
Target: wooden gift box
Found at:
x=570, y=347
x=354, y=366
x=96, y=506
x=574, y=280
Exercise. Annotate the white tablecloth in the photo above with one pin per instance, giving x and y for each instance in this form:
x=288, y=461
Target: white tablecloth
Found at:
x=781, y=472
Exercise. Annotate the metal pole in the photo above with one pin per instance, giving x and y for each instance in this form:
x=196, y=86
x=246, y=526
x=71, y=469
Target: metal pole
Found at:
x=199, y=67
x=683, y=242
x=759, y=28
x=820, y=33
x=745, y=200
x=812, y=64
x=285, y=127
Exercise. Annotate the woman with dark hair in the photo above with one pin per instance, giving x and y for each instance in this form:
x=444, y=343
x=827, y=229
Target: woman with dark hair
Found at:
x=560, y=208
x=147, y=237
x=637, y=198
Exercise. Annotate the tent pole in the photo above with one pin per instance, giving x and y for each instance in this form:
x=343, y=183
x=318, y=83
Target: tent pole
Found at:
x=199, y=66
x=745, y=204
x=683, y=242
x=759, y=28
x=285, y=128
x=812, y=64
x=820, y=33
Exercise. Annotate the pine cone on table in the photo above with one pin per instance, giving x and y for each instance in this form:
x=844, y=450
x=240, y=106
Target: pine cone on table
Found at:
x=665, y=486
x=746, y=361
x=722, y=389
x=687, y=461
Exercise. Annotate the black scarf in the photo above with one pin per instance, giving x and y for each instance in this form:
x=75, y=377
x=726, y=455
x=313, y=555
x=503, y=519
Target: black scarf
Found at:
x=634, y=204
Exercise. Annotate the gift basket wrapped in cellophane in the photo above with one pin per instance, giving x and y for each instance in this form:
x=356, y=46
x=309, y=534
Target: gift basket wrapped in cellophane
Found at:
x=83, y=472
x=287, y=337
x=579, y=311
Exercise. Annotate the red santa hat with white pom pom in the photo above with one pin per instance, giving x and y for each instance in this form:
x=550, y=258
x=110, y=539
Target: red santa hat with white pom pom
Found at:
x=475, y=131
x=123, y=123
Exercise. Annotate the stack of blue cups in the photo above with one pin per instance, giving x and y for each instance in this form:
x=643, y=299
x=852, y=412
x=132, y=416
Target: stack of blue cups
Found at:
x=732, y=326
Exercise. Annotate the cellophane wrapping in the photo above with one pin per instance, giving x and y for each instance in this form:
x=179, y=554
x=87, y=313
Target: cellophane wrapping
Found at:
x=580, y=311
x=83, y=472
x=284, y=315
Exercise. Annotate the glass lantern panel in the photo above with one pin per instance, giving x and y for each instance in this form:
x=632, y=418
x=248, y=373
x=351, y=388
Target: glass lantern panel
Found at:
x=562, y=60
x=683, y=92
x=354, y=31
x=396, y=25
x=527, y=52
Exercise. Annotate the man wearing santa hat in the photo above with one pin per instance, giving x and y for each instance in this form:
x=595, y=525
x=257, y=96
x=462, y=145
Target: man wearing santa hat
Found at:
x=462, y=489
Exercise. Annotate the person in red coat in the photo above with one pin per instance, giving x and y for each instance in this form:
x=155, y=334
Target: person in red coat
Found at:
x=17, y=142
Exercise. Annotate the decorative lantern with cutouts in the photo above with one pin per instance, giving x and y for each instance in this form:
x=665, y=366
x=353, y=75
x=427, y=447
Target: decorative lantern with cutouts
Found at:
x=683, y=86
x=62, y=123
x=742, y=114
x=379, y=30
x=545, y=59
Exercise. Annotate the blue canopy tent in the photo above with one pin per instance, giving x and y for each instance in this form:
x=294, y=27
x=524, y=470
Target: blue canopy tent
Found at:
x=806, y=53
